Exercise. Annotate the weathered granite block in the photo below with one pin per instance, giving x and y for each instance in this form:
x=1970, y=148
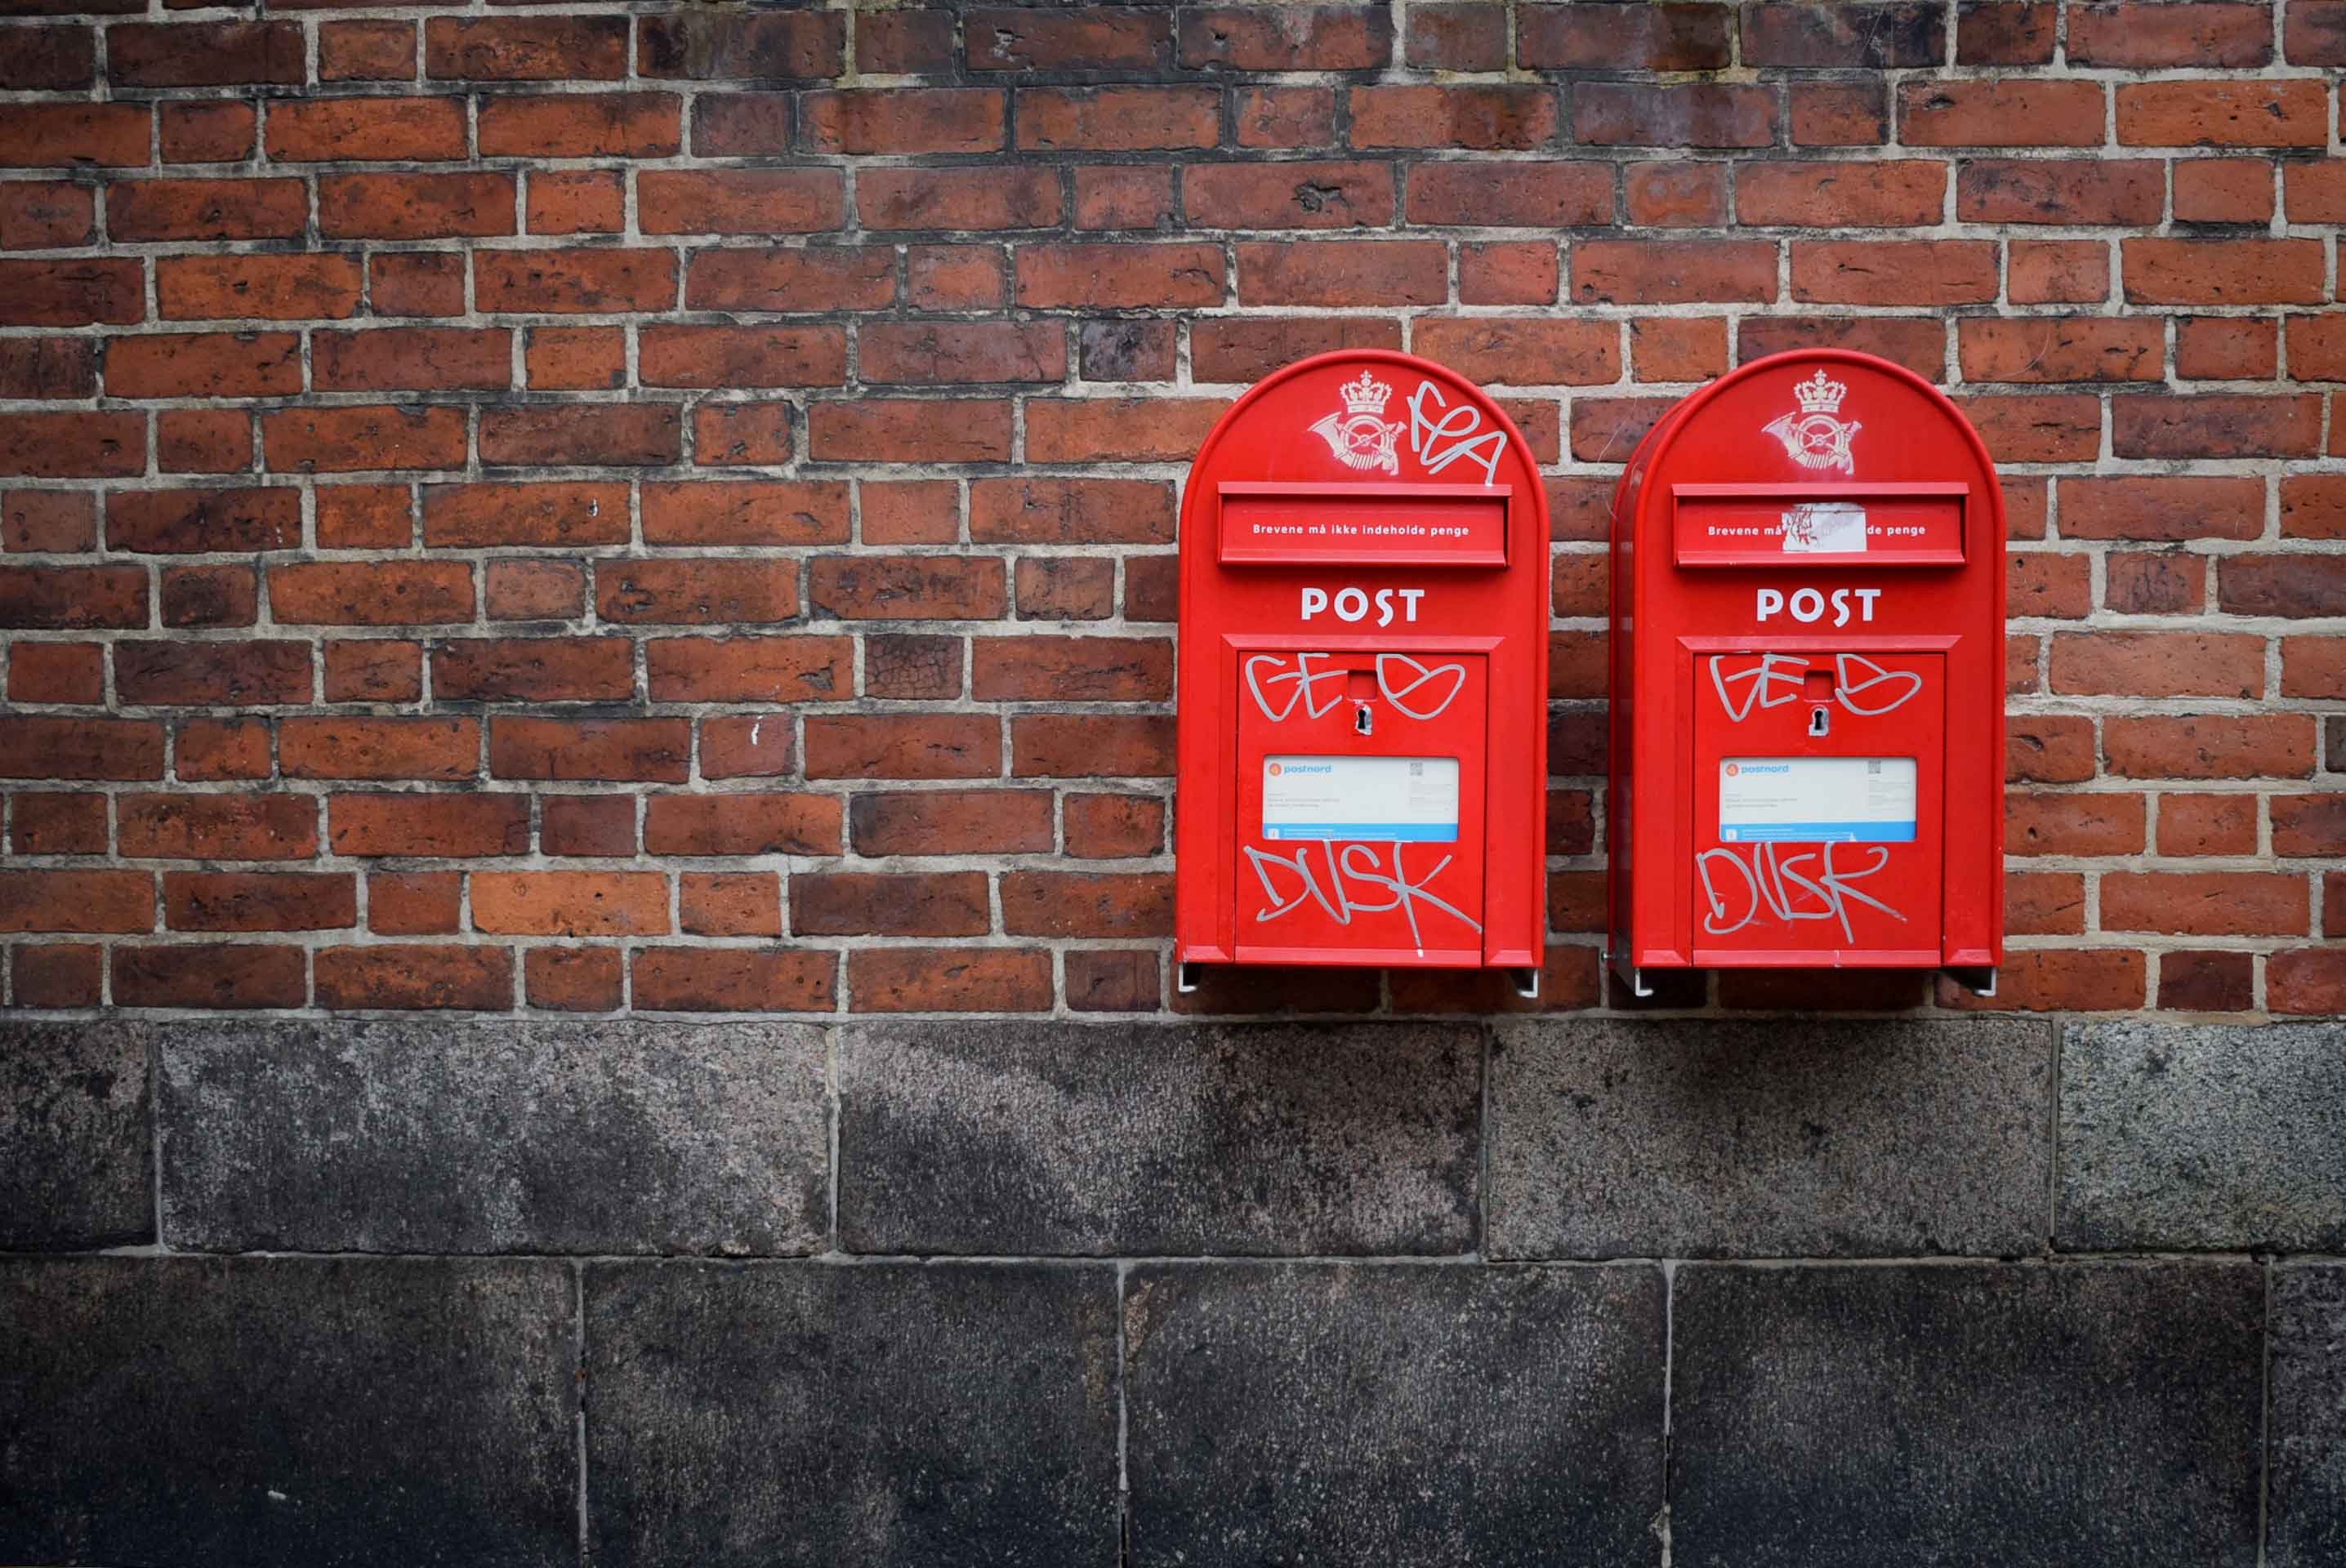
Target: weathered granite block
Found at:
x=321, y=1412
x=2018, y=1414
x=2306, y=1491
x=1154, y=1139
x=419, y=1135
x=77, y=1151
x=872, y=1414
x=1315, y=1414
x=1770, y=1137
x=2214, y=1136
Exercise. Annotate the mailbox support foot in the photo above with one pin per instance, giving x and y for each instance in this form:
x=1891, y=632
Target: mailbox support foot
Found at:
x=1185, y=978
x=1629, y=973
x=1526, y=982
x=1979, y=982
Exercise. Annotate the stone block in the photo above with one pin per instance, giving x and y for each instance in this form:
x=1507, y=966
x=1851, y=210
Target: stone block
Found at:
x=418, y=1135
x=2203, y=1137
x=77, y=1150
x=803, y=1414
x=1770, y=1137
x=1016, y=1139
x=2027, y=1415
x=1391, y=1413
x=318, y=1412
x=2306, y=1504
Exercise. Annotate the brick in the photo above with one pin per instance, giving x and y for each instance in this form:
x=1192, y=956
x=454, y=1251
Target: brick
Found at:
x=373, y=593
x=746, y=747
x=55, y=672
x=470, y=516
x=767, y=512
x=366, y=51
x=204, y=54
x=2039, y=429
x=2247, y=745
x=949, y=980
x=2071, y=191
x=1292, y=195
x=1513, y=117
x=2207, y=824
x=957, y=199
x=2055, y=979
x=2014, y=112
x=2166, y=508
x=212, y=674
x=1840, y=114
x=1856, y=195
x=1052, y=510
x=2061, y=348
x=2005, y=32
x=69, y=824
x=203, y=132
x=2314, y=192
x=538, y=281
x=904, y=746
x=203, y=441
x=1285, y=116
x=416, y=283
x=1815, y=37
x=1660, y=37
x=2289, y=585
x=354, y=746
x=280, y=287
x=533, y=590
x=2158, y=663
x=696, y=592
x=2205, y=903
x=76, y=292
x=902, y=120
x=2306, y=980
x=1695, y=114
x=905, y=43
x=2205, y=982
x=606, y=434
x=1087, y=903
x=374, y=669
x=833, y=278
x=655, y=751
x=2226, y=348
x=399, y=130
x=2222, y=272
x=1894, y=272
x=259, y=901
x=1673, y=271
x=2048, y=748
x=61, y=598
x=1136, y=430
x=423, y=359
x=48, y=368
x=1122, y=276
x=72, y=445
x=207, y=209
x=92, y=900
x=582, y=125
x=750, y=669
x=1917, y=342
x=412, y=976
x=729, y=904
x=2313, y=506
x=951, y=822
x=1116, y=118
x=525, y=49
x=414, y=205
x=764, y=356
x=940, y=354
x=213, y=750
x=574, y=979
x=910, y=512
x=363, y=516
x=52, y=60
x=36, y=214
x=210, y=975
x=204, y=364
x=2222, y=113
x=1457, y=38
x=766, y=45
x=570, y=903
x=574, y=202
x=1506, y=273
x=734, y=980
x=2061, y=272
x=59, y=974
x=66, y=135
x=218, y=827
x=422, y=825
x=47, y=521
x=596, y=825
x=864, y=903
x=2223, y=190
x=210, y=596
x=739, y=201
x=2215, y=426
x=2142, y=583
x=1070, y=746
x=2140, y=37
x=1242, y=349
x=575, y=359
x=1293, y=38
x=899, y=430
x=1088, y=670
x=1343, y=273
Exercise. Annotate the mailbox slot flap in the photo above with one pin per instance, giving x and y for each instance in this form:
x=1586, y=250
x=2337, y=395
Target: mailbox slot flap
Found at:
x=1266, y=525
x=1871, y=525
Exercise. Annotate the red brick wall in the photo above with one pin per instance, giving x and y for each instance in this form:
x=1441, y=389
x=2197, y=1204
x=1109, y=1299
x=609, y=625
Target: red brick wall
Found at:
x=508, y=508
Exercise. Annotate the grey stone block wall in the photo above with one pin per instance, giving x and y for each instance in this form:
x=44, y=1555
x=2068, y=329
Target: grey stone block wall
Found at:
x=1572, y=1291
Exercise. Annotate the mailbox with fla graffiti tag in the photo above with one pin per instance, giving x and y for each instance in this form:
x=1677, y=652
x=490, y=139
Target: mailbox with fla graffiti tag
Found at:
x=1807, y=660
x=1364, y=561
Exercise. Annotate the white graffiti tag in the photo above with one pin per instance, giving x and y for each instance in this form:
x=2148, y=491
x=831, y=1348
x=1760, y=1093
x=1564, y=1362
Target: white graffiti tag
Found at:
x=1900, y=686
x=1304, y=678
x=1440, y=433
x=1420, y=677
x=1769, y=885
x=1338, y=900
x=1774, y=681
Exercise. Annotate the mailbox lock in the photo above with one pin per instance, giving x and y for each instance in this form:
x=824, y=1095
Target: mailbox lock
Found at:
x=1819, y=720
x=1363, y=722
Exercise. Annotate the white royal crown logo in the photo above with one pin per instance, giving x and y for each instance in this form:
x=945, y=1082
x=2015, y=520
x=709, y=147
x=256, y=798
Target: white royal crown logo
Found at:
x=1814, y=436
x=1359, y=436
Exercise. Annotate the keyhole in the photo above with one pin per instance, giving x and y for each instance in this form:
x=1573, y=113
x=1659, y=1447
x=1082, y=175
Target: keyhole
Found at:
x=1361, y=722
x=1819, y=720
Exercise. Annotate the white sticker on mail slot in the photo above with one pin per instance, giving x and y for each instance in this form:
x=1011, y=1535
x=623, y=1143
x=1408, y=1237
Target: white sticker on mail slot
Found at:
x=1824, y=528
x=1816, y=799
x=1364, y=798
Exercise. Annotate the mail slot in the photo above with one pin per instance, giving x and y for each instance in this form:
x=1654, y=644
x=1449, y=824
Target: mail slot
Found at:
x=1807, y=723
x=1362, y=746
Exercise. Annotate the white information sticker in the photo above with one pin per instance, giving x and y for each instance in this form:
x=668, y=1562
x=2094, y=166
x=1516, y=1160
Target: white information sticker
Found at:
x=1817, y=799
x=1824, y=528
x=1360, y=798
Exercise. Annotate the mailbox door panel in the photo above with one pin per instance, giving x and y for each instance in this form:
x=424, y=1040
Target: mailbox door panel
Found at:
x=1361, y=805
x=1818, y=817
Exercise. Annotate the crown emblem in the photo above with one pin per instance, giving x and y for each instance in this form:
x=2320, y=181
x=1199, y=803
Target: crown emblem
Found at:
x=1366, y=395
x=1820, y=396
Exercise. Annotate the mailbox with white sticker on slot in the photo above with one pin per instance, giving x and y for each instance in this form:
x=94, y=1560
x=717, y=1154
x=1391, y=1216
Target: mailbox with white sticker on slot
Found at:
x=1362, y=750
x=1806, y=673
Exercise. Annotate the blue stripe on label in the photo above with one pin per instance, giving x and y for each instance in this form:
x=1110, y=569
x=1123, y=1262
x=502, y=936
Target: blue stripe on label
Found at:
x=1820, y=832
x=1411, y=833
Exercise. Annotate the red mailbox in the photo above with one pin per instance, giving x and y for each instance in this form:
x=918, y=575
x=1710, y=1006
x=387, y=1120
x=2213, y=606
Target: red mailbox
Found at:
x=1363, y=676
x=1807, y=725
